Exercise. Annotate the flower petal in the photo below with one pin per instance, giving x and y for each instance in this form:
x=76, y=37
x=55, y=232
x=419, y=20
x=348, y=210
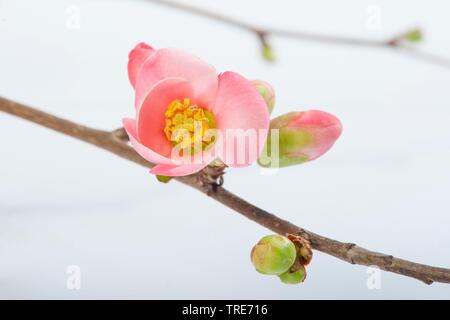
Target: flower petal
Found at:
x=151, y=115
x=146, y=153
x=136, y=59
x=176, y=171
x=240, y=108
x=176, y=63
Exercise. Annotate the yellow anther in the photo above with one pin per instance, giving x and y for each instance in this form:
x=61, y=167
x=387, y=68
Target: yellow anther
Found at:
x=186, y=124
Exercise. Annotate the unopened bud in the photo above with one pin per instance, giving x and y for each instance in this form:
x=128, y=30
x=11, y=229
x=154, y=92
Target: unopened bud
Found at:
x=302, y=136
x=163, y=179
x=267, y=53
x=266, y=90
x=414, y=35
x=273, y=254
x=293, y=277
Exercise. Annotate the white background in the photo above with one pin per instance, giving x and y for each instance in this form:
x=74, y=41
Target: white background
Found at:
x=385, y=184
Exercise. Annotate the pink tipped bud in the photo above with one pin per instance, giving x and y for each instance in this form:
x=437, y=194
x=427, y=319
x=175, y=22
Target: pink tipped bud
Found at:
x=136, y=58
x=302, y=136
x=266, y=90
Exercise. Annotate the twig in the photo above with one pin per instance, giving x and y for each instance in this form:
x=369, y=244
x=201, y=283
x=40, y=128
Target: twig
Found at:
x=348, y=252
x=262, y=33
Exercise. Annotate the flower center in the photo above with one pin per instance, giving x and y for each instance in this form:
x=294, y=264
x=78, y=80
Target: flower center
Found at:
x=187, y=125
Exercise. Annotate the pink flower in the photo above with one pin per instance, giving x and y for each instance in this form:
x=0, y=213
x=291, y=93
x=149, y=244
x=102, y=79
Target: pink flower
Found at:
x=179, y=101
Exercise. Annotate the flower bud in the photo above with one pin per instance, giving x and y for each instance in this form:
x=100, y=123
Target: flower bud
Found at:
x=163, y=179
x=266, y=90
x=273, y=254
x=293, y=277
x=414, y=35
x=302, y=136
x=267, y=53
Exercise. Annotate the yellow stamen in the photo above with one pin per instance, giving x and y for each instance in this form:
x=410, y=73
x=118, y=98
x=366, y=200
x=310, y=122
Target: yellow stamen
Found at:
x=187, y=124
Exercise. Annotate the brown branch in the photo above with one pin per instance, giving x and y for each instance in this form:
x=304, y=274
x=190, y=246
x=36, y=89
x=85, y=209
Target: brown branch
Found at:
x=348, y=252
x=262, y=33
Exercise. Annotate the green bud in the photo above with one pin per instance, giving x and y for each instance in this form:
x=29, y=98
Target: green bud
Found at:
x=266, y=91
x=163, y=179
x=267, y=53
x=413, y=35
x=273, y=255
x=293, y=277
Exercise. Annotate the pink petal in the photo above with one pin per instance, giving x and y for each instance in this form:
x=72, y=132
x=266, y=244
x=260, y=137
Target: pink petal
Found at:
x=146, y=153
x=313, y=119
x=239, y=105
x=190, y=165
x=136, y=59
x=175, y=63
x=151, y=115
x=176, y=171
x=324, y=127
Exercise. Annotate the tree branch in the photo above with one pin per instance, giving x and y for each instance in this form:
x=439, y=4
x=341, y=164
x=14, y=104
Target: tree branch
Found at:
x=262, y=33
x=113, y=141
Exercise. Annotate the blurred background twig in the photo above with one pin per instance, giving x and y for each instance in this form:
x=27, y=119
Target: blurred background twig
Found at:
x=403, y=42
